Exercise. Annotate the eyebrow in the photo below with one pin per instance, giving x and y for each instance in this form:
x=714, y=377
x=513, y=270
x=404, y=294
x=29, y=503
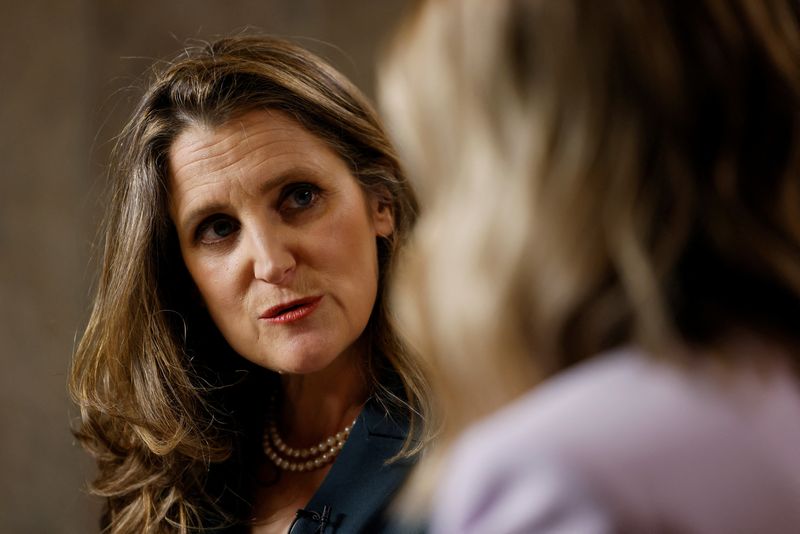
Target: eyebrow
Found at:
x=198, y=214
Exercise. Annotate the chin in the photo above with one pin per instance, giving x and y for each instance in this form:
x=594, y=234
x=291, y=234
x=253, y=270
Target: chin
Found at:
x=299, y=364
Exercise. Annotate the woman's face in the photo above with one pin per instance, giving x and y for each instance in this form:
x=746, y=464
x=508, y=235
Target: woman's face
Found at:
x=279, y=238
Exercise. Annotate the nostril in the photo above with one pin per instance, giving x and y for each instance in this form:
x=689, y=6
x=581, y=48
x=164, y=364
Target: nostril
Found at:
x=272, y=261
x=274, y=270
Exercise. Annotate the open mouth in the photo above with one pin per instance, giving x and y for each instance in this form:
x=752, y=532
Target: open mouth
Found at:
x=291, y=311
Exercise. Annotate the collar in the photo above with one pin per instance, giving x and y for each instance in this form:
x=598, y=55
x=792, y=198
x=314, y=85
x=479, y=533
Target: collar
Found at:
x=360, y=484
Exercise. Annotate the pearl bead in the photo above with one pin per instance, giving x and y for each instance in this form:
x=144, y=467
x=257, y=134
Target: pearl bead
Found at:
x=311, y=458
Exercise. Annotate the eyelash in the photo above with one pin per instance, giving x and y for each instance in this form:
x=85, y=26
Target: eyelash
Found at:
x=208, y=224
x=284, y=209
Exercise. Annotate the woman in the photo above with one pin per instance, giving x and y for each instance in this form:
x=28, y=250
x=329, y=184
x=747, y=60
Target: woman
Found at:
x=240, y=369
x=610, y=257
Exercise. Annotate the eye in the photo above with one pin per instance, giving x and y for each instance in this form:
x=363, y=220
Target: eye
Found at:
x=216, y=229
x=299, y=197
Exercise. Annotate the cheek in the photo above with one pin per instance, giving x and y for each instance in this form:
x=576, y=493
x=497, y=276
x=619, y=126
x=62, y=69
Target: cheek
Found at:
x=349, y=243
x=215, y=282
x=356, y=257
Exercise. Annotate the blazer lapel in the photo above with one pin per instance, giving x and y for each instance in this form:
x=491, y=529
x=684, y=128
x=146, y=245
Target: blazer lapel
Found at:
x=359, y=485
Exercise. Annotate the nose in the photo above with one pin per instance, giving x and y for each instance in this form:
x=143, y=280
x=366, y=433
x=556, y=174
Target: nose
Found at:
x=273, y=261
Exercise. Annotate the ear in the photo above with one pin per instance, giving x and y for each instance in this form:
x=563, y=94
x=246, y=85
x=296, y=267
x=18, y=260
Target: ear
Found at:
x=382, y=215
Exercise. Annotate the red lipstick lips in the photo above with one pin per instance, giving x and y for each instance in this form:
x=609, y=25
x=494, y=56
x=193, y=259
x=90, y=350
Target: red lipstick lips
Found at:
x=291, y=311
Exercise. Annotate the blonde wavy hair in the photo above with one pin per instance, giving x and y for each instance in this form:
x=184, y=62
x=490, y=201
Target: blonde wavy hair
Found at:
x=171, y=415
x=593, y=174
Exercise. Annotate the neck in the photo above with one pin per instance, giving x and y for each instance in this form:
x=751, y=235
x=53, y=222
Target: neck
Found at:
x=320, y=404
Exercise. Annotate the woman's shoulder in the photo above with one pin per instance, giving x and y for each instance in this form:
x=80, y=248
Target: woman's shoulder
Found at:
x=626, y=396
x=625, y=435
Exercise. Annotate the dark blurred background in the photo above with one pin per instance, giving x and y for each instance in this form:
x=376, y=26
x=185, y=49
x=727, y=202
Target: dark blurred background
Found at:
x=69, y=73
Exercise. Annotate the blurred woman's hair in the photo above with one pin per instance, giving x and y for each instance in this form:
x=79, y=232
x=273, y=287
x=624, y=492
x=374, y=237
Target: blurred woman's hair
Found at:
x=170, y=413
x=594, y=174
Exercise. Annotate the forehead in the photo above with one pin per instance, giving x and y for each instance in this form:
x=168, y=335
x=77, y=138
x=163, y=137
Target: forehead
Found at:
x=258, y=146
x=246, y=157
x=244, y=139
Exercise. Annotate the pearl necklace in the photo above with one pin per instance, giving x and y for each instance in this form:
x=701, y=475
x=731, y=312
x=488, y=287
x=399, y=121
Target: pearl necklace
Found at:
x=311, y=458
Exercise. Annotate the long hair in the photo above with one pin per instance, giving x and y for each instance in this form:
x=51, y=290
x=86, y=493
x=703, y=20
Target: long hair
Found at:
x=167, y=409
x=594, y=174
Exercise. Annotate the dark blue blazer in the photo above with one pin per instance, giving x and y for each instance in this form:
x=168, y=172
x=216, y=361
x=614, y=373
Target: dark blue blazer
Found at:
x=355, y=494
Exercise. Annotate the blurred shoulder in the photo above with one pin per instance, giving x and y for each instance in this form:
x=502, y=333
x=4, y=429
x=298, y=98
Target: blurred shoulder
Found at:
x=624, y=435
x=624, y=399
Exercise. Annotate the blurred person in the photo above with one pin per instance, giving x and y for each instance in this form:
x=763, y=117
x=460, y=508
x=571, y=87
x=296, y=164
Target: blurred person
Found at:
x=240, y=371
x=606, y=276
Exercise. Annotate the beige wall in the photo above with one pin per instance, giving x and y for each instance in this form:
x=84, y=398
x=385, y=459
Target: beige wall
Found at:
x=69, y=72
